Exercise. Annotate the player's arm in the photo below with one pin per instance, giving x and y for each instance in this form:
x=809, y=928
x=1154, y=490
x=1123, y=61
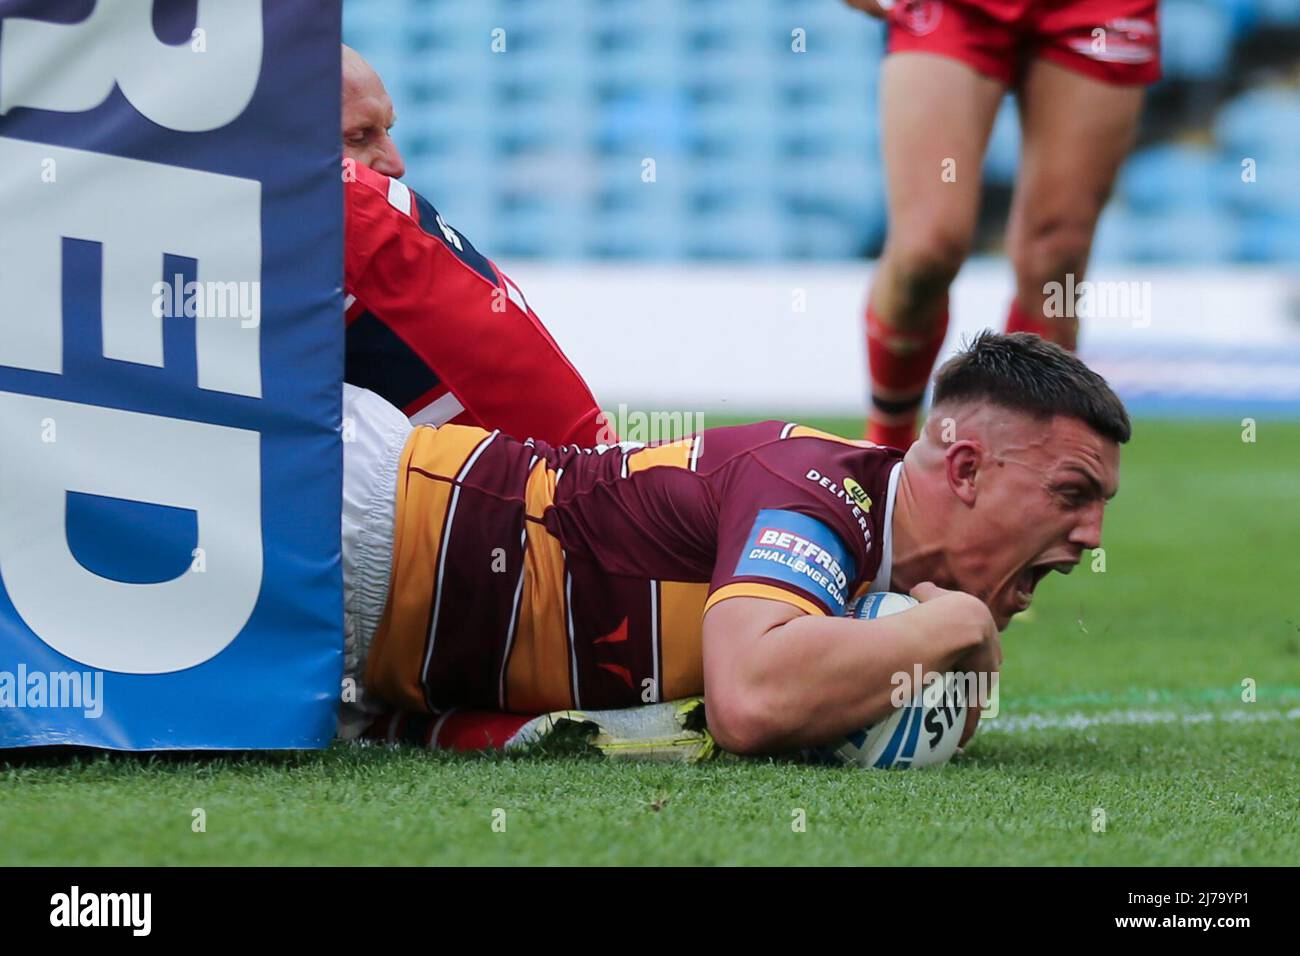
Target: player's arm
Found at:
x=777, y=678
x=428, y=312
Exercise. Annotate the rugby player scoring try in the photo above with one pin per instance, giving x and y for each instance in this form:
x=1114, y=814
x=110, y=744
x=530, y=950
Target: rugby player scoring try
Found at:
x=489, y=573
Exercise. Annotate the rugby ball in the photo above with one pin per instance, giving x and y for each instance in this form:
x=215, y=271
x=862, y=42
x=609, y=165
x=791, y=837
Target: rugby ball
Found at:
x=923, y=732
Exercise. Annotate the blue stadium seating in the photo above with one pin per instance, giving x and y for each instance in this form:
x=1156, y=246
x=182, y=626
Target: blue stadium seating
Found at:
x=1270, y=238
x=1003, y=155
x=1165, y=178
x=1193, y=38
x=1261, y=123
x=1279, y=12
x=1186, y=236
x=527, y=123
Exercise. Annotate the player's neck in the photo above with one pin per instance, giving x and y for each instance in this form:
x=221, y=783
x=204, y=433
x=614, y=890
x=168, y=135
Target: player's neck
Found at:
x=918, y=553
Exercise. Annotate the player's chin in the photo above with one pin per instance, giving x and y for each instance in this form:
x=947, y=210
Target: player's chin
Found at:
x=1010, y=602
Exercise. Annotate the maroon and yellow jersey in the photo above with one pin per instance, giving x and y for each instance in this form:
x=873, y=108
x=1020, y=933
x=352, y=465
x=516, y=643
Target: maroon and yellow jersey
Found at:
x=532, y=578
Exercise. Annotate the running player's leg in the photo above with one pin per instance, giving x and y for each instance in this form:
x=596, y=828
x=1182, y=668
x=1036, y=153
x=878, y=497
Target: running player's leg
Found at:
x=936, y=114
x=1076, y=131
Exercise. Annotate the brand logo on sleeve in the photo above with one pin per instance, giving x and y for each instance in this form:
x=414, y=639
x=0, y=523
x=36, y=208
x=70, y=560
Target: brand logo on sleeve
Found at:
x=796, y=550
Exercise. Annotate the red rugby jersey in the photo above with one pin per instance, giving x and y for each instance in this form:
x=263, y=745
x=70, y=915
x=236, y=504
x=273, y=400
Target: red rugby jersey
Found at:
x=434, y=327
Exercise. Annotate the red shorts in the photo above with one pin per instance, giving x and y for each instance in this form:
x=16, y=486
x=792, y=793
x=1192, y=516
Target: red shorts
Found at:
x=1115, y=41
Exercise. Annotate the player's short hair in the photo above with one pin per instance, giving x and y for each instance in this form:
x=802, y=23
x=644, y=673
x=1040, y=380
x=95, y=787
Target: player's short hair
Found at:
x=1024, y=372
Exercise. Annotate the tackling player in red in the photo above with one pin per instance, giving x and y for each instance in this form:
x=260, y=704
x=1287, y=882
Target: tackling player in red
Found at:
x=434, y=326
x=1078, y=69
x=486, y=573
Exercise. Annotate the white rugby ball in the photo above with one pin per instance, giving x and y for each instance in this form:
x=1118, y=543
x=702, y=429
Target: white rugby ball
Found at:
x=923, y=732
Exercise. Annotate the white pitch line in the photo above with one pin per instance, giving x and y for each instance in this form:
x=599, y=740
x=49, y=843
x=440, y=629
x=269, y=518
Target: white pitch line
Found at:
x=1131, y=718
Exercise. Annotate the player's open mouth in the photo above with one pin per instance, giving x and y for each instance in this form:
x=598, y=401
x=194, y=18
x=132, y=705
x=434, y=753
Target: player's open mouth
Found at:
x=1031, y=575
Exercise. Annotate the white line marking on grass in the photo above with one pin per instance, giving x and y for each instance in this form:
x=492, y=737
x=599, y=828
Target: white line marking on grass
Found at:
x=1132, y=718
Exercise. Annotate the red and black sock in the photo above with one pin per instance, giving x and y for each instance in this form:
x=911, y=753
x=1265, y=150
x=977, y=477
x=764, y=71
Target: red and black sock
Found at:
x=900, y=364
x=1019, y=320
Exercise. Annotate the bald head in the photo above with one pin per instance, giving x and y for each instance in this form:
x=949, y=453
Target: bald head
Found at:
x=352, y=62
x=367, y=118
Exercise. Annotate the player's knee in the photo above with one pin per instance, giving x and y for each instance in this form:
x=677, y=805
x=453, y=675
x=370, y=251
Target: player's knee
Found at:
x=923, y=265
x=1051, y=249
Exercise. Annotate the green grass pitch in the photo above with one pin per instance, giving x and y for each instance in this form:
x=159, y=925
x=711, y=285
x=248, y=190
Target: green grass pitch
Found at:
x=1123, y=739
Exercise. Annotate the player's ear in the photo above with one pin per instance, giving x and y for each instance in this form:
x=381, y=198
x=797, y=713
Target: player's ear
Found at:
x=962, y=463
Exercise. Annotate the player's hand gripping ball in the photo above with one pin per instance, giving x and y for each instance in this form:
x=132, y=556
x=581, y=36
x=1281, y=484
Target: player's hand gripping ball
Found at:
x=922, y=733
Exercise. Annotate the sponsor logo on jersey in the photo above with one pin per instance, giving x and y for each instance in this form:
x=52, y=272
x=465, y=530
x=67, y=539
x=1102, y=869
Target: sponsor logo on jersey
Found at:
x=433, y=224
x=794, y=549
x=919, y=17
x=857, y=494
x=448, y=233
x=853, y=495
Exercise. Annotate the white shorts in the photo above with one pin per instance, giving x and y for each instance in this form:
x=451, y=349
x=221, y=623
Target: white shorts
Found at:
x=374, y=434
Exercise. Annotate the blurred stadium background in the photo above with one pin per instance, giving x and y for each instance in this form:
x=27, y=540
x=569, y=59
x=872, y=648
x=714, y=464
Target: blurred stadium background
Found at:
x=529, y=125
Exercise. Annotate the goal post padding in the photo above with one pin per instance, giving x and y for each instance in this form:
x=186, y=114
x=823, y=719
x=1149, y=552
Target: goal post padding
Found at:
x=170, y=364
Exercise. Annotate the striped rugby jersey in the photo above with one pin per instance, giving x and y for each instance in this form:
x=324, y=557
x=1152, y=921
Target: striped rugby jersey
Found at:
x=532, y=578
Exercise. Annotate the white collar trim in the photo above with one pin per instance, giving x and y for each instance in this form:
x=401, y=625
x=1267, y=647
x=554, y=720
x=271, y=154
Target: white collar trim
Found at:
x=886, y=570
